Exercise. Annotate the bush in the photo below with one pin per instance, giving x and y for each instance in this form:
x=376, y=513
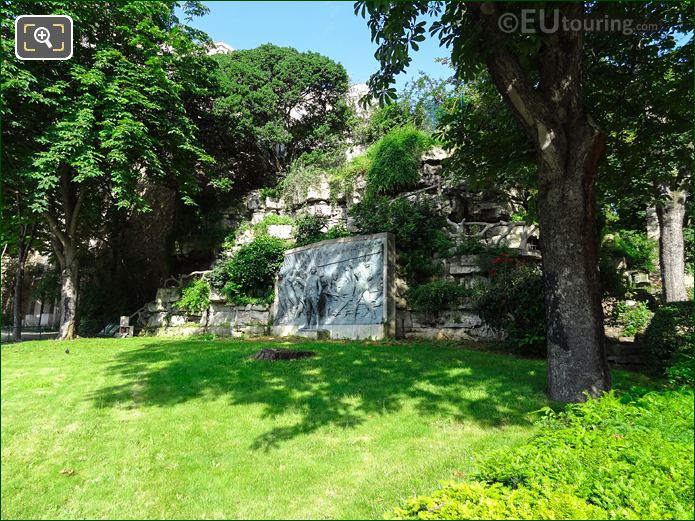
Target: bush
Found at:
x=628, y=457
x=639, y=252
x=248, y=277
x=433, y=297
x=195, y=298
x=513, y=302
x=416, y=225
x=310, y=230
x=670, y=339
x=395, y=166
x=633, y=319
x=342, y=179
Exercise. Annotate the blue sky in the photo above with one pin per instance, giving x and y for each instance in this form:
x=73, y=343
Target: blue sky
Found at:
x=329, y=28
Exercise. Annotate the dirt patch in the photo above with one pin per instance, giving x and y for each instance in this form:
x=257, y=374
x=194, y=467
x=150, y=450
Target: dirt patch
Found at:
x=281, y=354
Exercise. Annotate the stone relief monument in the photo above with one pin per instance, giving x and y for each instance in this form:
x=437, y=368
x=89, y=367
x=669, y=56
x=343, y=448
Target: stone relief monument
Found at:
x=343, y=287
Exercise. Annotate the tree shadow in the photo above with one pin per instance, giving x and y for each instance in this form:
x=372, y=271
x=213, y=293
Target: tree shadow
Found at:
x=344, y=385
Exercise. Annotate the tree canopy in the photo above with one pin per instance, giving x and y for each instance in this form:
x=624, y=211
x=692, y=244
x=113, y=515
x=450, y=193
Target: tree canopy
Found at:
x=278, y=103
x=85, y=134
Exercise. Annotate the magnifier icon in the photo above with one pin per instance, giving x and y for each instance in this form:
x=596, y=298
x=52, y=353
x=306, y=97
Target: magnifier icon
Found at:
x=42, y=35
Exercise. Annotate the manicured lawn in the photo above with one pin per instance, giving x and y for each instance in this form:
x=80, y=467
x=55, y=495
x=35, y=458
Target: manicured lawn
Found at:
x=194, y=429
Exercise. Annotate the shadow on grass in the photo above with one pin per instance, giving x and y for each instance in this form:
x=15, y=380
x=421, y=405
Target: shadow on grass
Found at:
x=343, y=385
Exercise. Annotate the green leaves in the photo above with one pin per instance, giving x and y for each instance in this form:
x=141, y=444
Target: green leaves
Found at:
x=116, y=112
x=279, y=103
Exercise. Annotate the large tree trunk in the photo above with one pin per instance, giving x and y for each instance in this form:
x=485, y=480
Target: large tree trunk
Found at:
x=25, y=237
x=671, y=216
x=65, y=245
x=17, y=304
x=68, y=302
x=569, y=245
x=548, y=104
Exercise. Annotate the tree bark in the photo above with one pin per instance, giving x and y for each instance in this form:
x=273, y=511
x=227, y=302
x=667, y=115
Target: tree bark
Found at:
x=24, y=244
x=65, y=244
x=68, y=302
x=569, y=246
x=671, y=216
x=548, y=104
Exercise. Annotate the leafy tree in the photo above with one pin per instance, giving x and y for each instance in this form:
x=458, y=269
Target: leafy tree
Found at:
x=115, y=116
x=488, y=147
x=540, y=78
x=278, y=103
x=641, y=89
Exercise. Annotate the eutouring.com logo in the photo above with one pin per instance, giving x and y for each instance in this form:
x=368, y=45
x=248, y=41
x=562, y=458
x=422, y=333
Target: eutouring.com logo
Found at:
x=550, y=21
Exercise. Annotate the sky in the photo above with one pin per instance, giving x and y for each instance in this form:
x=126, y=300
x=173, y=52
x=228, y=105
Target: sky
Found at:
x=329, y=28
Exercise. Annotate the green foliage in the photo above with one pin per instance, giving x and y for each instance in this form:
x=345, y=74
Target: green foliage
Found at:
x=613, y=458
x=488, y=146
x=195, y=298
x=470, y=245
x=103, y=119
x=310, y=229
x=395, y=165
x=248, y=277
x=259, y=229
x=279, y=103
x=342, y=179
x=633, y=319
x=639, y=252
x=436, y=296
x=299, y=178
x=416, y=225
x=670, y=339
x=513, y=302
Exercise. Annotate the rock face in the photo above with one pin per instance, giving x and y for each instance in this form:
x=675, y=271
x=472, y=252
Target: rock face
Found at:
x=449, y=325
x=471, y=215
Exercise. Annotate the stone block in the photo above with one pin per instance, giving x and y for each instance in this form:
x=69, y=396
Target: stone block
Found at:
x=281, y=231
x=274, y=204
x=166, y=296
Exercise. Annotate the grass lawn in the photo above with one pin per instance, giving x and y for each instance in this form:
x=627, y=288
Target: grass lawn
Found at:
x=191, y=428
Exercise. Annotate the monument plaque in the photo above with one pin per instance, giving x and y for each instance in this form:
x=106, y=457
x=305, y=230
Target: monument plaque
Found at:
x=342, y=286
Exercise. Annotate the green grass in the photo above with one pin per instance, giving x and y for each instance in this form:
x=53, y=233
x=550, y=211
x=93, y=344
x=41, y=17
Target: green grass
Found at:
x=194, y=429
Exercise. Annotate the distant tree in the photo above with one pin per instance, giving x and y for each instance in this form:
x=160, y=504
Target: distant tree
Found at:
x=114, y=116
x=278, y=103
x=641, y=90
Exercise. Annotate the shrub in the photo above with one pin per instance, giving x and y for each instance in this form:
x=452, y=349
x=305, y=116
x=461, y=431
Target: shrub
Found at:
x=195, y=298
x=633, y=319
x=670, y=339
x=259, y=229
x=416, y=225
x=300, y=176
x=513, y=302
x=310, y=229
x=342, y=179
x=248, y=277
x=395, y=166
x=433, y=297
x=639, y=252
x=628, y=457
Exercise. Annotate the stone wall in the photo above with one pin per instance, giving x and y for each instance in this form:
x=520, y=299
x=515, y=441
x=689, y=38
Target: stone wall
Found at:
x=162, y=318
